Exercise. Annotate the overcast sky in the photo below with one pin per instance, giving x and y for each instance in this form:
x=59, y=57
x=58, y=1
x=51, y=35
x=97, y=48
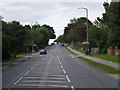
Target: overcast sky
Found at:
x=54, y=13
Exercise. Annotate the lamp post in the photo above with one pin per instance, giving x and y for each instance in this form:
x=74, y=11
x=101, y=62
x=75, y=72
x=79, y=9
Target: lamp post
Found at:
x=88, y=51
x=87, y=20
x=32, y=34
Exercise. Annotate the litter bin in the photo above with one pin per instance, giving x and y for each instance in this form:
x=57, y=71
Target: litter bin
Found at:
x=86, y=52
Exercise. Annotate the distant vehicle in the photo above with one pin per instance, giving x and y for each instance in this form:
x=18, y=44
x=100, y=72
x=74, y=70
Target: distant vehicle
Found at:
x=62, y=44
x=43, y=52
x=52, y=43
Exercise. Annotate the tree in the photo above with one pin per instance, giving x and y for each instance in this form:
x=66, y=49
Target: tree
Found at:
x=5, y=46
x=45, y=36
x=27, y=27
x=75, y=30
x=99, y=36
x=106, y=30
x=17, y=38
x=50, y=30
x=111, y=20
x=113, y=23
x=13, y=37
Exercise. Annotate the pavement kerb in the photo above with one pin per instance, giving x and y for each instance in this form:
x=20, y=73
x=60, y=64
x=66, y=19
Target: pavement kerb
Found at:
x=7, y=64
x=112, y=64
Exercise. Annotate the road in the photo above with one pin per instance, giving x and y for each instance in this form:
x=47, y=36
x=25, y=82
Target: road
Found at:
x=58, y=70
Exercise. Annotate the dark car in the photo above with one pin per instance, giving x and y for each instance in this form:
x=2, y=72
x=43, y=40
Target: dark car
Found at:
x=43, y=52
x=52, y=43
x=62, y=44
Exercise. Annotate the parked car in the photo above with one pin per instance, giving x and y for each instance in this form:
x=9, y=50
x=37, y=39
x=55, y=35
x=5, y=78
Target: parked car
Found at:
x=43, y=52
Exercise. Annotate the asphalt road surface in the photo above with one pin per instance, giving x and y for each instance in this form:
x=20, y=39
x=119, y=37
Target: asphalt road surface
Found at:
x=55, y=70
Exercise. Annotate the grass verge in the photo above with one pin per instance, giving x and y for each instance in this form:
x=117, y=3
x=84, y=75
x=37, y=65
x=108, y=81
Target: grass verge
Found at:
x=70, y=51
x=113, y=58
x=13, y=58
x=103, y=67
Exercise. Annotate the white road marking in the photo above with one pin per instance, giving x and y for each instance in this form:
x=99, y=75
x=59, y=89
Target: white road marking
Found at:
x=55, y=75
x=27, y=72
x=68, y=78
x=64, y=71
x=72, y=87
x=61, y=66
x=36, y=85
x=18, y=80
x=42, y=78
x=60, y=63
x=36, y=64
x=32, y=68
x=44, y=58
x=44, y=81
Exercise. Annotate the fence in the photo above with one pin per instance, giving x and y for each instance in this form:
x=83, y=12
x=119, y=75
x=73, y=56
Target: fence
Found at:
x=113, y=51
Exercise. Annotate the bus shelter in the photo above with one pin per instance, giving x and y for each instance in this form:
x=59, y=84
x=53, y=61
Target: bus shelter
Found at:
x=86, y=46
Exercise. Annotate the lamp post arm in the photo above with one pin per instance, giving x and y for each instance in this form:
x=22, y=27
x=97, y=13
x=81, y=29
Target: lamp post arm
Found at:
x=87, y=19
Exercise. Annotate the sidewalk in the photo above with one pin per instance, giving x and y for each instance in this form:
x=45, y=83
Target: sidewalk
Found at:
x=112, y=64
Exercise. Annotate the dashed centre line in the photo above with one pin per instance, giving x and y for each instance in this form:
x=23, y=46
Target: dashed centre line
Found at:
x=61, y=66
x=58, y=78
x=64, y=71
x=68, y=78
x=72, y=87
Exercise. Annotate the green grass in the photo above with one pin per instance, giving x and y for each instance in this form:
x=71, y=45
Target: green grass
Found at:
x=70, y=51
x=20, y=56
x=103, y=67
x=112, y=58
x=82, y=51
x=13, y=58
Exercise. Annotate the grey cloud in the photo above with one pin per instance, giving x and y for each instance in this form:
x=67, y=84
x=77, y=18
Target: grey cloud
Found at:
x=56, y=14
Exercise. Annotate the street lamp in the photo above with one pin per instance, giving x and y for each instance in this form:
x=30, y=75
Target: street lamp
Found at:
x=32, y=33
x=87, y=52
x=87, y=20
